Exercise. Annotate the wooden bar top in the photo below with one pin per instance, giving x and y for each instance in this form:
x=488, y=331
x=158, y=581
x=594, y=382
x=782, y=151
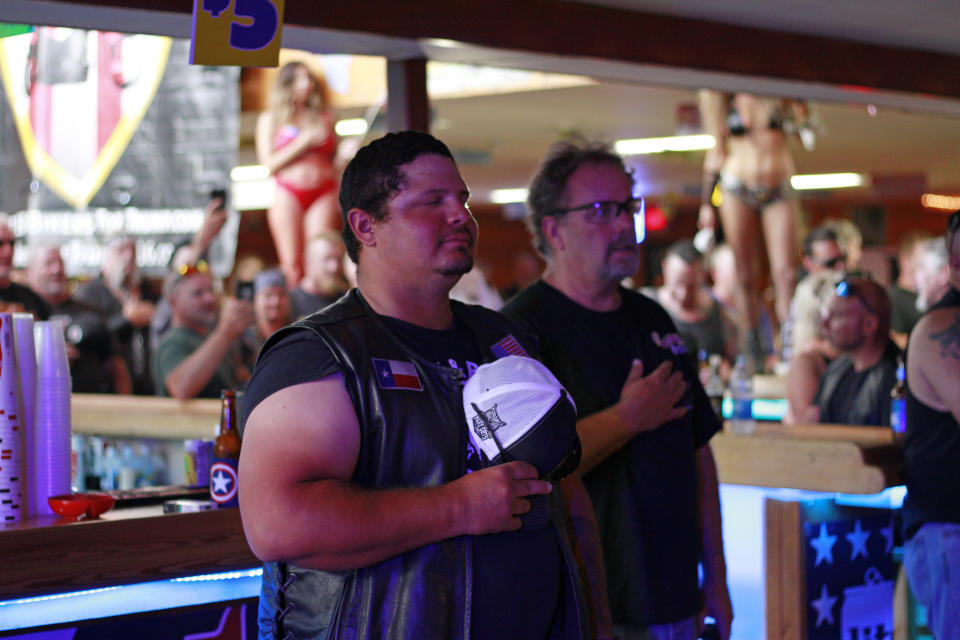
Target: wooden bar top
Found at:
x=120, y=416
x=49, y=555
x=815, y=457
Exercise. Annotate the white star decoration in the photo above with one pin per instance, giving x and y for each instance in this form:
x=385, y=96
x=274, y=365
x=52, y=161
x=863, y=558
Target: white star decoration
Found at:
x=221, y=482
x=858, y=541
x=824, y=546
x=887, y=532
x=824, y=606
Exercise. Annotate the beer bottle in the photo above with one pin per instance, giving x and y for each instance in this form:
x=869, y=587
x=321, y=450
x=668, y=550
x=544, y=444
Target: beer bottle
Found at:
x=226, y=454
x=898, y=401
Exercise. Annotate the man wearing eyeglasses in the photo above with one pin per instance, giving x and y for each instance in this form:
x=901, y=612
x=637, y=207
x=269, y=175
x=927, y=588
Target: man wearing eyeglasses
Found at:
x=644, y=419
x=931, y=451
x=15, y=296
x=855, y=388
x=821, y=254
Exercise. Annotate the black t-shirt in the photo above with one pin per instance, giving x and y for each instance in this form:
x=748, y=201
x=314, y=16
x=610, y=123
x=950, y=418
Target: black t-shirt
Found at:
x=644, y=495
x=32, y=303
x=903, y=309
x=930, y=454
x=517, y=576
x=93, y=371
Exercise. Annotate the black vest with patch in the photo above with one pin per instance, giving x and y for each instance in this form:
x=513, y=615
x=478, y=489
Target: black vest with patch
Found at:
x=409, y=438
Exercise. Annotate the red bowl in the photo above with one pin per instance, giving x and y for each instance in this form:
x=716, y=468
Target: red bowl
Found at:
x=99, y=503
x=69, y=506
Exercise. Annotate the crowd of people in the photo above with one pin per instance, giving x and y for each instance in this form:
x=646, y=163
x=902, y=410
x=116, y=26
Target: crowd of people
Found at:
x=393, y=524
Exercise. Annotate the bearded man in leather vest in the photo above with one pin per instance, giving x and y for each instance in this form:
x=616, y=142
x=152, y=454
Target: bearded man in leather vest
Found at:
x=855, y=388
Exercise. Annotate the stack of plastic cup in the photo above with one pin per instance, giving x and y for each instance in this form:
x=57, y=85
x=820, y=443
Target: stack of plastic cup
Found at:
x=12, y=489
x=27, y=365
x=49, y=466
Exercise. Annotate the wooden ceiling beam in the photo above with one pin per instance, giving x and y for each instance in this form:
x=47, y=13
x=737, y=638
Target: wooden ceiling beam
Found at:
x=575, y=29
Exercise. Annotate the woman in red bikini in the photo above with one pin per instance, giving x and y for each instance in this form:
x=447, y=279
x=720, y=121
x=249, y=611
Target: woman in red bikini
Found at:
x=297, y=143
x=752, y=163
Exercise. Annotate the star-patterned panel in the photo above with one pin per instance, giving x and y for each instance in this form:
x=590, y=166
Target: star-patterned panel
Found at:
x=849, y=563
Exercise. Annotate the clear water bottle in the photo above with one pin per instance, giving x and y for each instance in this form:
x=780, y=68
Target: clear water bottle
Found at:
x=741, y=393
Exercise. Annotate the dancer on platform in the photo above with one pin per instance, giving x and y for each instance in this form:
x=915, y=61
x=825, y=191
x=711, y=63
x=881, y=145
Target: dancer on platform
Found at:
x=296, y=141
x=753, y=164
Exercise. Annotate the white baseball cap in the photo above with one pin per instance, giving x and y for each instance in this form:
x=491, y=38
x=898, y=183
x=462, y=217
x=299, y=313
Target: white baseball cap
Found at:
x=517, y=410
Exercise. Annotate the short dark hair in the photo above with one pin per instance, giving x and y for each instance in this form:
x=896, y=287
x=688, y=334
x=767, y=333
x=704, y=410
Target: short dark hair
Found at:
x=685, y=250
x=374, y=175
x=548, y=188
x=818, y=234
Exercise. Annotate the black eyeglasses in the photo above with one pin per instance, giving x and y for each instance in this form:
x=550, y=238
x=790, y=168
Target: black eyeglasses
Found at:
x=8, y=242
x=606, y=211
x=847, y=288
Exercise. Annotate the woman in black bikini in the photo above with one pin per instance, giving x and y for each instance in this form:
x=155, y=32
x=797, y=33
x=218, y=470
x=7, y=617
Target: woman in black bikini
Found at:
x=753, y=164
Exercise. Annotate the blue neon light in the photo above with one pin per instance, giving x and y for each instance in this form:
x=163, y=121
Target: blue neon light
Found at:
x=90, y=604
x=761, y=408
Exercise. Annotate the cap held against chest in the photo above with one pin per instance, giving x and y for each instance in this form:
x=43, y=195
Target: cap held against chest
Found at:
x=517, y=410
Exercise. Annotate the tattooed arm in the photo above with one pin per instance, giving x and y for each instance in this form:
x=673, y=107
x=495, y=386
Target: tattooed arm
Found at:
x=934, y=360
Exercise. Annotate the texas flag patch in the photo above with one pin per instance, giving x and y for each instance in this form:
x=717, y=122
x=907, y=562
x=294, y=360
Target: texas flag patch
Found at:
x=396, y=374
x=508, y=346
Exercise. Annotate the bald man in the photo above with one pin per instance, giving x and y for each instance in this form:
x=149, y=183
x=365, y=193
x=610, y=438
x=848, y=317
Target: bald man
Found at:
x=855, y=388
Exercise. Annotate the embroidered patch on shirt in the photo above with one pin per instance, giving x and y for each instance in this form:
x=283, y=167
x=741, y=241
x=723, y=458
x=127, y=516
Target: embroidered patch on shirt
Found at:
x=396, y=374
x=508, y=346
x=670, y=341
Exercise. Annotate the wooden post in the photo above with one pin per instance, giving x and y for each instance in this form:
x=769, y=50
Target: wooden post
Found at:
x=408, y=106
x=785, y=570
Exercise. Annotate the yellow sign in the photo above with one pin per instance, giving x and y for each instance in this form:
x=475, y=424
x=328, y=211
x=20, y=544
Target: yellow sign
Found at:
x=236, y=32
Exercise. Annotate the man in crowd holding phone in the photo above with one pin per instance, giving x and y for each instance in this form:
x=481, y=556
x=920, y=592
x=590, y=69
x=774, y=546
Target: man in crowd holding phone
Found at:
x=200, y=355
x=127, y=301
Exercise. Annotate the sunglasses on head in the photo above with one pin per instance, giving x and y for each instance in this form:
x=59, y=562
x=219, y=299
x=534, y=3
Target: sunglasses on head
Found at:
x=848, y=288
x=833, y=262
x=200, y=266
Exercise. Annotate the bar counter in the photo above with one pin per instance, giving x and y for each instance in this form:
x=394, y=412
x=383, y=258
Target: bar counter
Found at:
x=815, y=457
x=47, y=555
x=840, y=458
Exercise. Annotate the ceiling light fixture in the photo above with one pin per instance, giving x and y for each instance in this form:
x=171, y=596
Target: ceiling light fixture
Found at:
x=827, y=181
x=350, y=127
x=507, y=196
x=445, y=43
x=639, y=146
x=940, y=201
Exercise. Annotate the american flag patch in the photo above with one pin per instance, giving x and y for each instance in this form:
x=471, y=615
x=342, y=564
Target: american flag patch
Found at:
x=396, y=374
x=508, y=346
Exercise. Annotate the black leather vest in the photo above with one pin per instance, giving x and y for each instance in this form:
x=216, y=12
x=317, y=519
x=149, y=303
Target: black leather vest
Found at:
x=871, y=404
x=408, y=438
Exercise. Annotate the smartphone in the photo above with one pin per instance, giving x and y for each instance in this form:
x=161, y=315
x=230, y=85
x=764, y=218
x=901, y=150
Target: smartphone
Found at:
x=219, y=193
x=245, y=290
